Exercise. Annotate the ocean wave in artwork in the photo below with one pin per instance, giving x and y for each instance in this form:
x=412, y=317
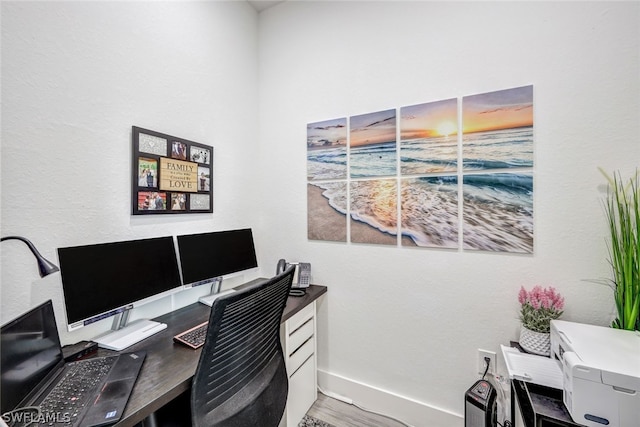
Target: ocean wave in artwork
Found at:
x=330, y=163
x=498, y=212
x=373, y=160
x=498, y=149
x=429, y=155
x=429, y=211
x=375, y=203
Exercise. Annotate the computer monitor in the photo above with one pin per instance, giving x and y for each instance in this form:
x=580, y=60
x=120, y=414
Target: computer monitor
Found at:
x=207, y=257
x=108, y=279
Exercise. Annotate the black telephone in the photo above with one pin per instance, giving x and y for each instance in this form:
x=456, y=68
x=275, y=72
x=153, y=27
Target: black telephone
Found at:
x=301, y=277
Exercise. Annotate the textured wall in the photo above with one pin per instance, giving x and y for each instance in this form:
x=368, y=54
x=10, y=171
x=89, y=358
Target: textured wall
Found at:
x=75, y=77
x=409, y=321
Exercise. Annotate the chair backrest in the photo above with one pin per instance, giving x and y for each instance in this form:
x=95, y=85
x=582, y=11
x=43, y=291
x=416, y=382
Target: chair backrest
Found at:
x=241, y=378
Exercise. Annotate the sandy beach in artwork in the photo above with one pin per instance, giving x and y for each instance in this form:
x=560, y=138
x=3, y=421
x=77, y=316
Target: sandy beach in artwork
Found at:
x=364, y=233
x=325, y=223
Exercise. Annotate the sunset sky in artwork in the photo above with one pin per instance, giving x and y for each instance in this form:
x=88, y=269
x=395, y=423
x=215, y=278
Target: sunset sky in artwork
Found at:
x=505, y=109
x=327, y=134
x=429, y=120
x=373, y=128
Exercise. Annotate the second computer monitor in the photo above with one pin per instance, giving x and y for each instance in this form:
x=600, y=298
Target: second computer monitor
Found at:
x=206, y=256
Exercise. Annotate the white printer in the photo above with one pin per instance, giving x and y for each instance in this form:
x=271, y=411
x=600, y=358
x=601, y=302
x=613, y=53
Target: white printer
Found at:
x=601, y=373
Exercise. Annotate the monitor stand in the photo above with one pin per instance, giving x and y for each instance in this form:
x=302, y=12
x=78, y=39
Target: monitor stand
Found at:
x=123, y=334
x=215, y=292
x=209, y=299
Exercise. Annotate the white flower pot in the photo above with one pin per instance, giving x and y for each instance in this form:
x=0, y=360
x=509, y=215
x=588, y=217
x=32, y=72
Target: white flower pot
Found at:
x=535, y=342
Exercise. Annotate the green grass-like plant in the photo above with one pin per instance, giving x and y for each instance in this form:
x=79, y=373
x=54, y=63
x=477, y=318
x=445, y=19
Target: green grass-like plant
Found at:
x=622, y=209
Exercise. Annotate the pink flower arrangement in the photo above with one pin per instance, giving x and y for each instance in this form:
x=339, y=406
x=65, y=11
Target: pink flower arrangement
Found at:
x=539, y=306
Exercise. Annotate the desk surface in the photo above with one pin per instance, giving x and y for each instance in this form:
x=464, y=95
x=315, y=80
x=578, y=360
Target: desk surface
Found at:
x=168, y=368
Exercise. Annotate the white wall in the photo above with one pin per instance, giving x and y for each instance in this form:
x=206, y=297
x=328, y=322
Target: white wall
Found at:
x=405, y=321
x=75, y=77
x=409, y=321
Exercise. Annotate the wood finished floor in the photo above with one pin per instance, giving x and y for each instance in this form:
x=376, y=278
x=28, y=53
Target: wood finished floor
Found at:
x=342, y=414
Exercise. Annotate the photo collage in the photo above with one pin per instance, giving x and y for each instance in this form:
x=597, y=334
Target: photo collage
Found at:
x=170, y=175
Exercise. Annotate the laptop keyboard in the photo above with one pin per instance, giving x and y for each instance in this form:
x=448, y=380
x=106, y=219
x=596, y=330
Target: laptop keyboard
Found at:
x=193, y=337
x=71, y=395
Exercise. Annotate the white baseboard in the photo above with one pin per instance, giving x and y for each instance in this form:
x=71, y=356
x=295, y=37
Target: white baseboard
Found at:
x=410, y=411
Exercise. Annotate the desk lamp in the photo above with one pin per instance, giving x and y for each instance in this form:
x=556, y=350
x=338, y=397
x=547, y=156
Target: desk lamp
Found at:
x=46, y=267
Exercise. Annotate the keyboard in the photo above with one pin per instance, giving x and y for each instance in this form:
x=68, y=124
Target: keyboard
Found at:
x=193, y=337
x=76, y=389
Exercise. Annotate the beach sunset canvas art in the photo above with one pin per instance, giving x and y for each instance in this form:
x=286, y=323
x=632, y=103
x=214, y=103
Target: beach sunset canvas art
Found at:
x=498, y=212
x=373, y=210
x=327, y=211
x=498, y=129
x=429, y=211
x=372, y=144
x=429, y=138
x=461, y=182
x=327, y=150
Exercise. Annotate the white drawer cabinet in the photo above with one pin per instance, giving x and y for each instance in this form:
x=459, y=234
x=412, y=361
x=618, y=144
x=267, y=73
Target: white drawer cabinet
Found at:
x=299, y=345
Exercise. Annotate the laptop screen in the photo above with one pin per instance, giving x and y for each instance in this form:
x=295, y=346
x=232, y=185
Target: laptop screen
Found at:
x=30, y=350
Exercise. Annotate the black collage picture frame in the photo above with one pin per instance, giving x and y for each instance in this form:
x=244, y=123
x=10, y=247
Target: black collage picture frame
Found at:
x=170, y=175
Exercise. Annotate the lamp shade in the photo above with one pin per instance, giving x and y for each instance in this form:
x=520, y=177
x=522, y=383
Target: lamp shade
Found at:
x=45, y=266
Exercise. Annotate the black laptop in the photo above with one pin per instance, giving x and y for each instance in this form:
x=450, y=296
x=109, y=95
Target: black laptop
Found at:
x=39, y=388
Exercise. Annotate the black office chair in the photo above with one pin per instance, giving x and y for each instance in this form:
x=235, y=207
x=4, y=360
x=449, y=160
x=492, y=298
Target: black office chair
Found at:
x=241, y=378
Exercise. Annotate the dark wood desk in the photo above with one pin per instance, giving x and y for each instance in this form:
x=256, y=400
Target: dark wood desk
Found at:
x=169, y=367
